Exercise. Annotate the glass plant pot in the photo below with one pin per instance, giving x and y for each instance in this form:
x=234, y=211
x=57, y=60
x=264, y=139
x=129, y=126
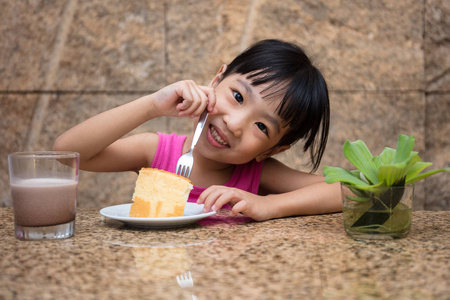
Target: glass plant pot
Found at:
x=385, y=214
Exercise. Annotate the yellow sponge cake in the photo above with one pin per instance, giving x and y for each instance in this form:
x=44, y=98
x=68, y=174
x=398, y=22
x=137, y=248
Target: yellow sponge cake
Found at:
x=159, y=194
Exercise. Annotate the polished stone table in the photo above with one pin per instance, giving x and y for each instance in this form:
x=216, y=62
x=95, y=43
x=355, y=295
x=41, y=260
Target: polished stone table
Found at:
x=228, y=258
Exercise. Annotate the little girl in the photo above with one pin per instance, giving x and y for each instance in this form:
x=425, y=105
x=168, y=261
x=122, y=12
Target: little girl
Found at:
x=265, y=100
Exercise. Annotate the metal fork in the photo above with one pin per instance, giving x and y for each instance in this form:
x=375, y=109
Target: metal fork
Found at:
x=186, y=161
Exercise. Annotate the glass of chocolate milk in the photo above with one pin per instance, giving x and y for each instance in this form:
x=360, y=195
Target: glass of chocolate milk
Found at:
x=44, y=193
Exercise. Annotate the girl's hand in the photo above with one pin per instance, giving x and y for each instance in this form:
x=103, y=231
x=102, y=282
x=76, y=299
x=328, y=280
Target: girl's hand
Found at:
x=183, y=98
x=253, y=206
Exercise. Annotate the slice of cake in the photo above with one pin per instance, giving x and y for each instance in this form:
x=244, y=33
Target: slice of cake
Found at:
x=159, y=194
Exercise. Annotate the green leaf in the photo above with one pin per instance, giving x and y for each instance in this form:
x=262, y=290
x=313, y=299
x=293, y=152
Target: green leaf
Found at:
x=335, y=174
x=356, y=173
x=413, y=158
x=377, y=161
x=387, y=156
x=425, y=175
x=417, y=168
x=392, y=174
x=405, y=145
x=359, y=155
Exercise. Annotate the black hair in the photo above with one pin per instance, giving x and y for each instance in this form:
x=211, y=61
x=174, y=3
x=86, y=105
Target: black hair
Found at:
x=305, y=106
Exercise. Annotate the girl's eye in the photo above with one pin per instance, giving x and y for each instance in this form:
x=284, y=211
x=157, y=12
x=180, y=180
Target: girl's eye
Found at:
x=238, y=97
x=262, y=127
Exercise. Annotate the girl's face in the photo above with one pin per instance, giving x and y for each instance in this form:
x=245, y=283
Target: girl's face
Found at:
x=245, y=125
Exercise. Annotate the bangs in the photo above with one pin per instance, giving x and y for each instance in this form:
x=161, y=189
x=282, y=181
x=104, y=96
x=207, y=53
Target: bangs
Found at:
x=298, y=107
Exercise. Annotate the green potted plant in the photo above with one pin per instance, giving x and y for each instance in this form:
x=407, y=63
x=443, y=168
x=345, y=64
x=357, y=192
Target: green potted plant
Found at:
x=377, y=196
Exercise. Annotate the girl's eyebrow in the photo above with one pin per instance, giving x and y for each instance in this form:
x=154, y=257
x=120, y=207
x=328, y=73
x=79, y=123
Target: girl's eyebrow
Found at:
x=247, y=87
x=268, y=116
x=274, y=121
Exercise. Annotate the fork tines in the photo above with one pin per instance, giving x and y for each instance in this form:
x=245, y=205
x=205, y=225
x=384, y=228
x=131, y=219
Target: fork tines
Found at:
x=184, y=171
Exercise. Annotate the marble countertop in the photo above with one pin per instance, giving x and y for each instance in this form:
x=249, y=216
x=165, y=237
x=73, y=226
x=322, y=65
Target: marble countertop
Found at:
x=228, y=258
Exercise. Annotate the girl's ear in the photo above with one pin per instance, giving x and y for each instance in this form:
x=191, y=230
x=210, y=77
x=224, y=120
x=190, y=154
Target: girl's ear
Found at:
x=272, y=152
x=218, y=76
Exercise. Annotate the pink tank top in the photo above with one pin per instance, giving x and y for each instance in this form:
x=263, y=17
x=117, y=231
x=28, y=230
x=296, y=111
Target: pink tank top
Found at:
x=170, y=147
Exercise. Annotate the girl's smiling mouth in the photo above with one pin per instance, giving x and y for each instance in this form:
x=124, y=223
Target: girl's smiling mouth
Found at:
x=216, y=138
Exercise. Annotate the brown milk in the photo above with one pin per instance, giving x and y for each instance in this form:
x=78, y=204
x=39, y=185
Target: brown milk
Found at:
x=44, y=201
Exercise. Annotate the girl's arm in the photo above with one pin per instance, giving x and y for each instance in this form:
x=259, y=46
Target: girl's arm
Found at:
x=298, y=193
x=287, y=192
x=98, y=139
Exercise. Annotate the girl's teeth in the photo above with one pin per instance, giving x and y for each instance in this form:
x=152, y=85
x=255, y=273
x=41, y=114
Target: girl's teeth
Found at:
x=217, y=137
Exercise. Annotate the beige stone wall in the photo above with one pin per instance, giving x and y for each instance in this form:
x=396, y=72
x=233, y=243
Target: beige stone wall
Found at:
x=387, y=64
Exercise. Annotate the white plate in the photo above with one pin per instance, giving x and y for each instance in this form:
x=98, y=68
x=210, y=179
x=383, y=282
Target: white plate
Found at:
x=193, y=212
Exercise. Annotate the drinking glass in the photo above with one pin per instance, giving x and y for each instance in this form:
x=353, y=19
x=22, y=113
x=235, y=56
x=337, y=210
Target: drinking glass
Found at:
x=44, y=187
x=383, y=214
